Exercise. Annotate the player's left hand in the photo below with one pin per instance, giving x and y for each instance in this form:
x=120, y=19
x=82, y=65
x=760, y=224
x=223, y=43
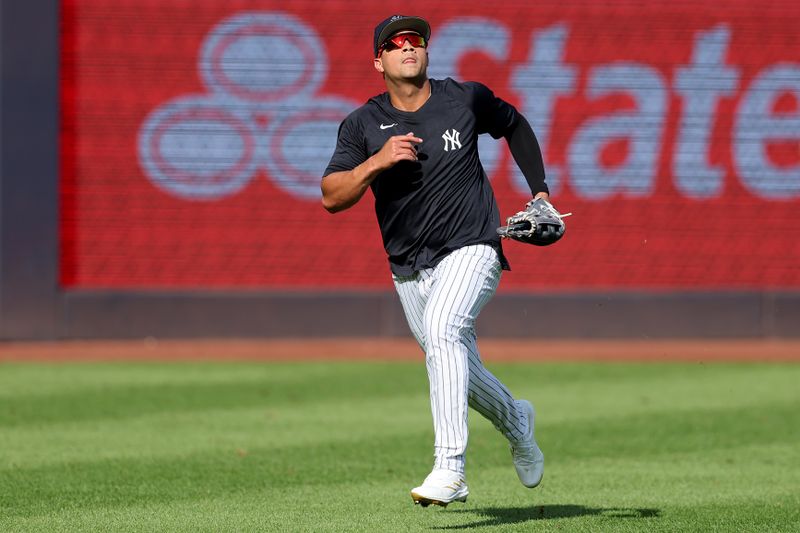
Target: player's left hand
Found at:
x=539, y=223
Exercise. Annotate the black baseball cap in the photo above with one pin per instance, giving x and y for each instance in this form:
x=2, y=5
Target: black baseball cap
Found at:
x=397, y=23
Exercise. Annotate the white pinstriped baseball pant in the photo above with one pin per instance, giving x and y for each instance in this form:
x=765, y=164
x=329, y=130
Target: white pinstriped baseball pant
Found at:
x=441, y=305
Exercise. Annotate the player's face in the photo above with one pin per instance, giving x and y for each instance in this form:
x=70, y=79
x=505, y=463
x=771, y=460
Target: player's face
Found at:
x=404, y=56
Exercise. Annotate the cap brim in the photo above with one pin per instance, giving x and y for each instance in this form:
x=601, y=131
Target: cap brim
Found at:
x=415, y=24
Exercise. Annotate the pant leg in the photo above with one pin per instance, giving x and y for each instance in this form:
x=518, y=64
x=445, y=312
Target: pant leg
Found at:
x=441, y=306
x=492, y=399
x=463, y=283
x=413, y=292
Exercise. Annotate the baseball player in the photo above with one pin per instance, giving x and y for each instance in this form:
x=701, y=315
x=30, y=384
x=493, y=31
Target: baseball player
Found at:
x=416, y=147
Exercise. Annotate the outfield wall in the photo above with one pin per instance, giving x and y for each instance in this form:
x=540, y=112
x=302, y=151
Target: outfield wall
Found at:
x=161, y=162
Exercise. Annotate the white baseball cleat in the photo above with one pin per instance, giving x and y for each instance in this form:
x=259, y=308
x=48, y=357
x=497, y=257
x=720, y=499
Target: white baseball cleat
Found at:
x=440, y=488
x=528, y=458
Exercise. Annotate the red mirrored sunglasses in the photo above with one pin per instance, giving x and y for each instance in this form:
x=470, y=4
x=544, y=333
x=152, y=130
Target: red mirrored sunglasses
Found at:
x=397, y=41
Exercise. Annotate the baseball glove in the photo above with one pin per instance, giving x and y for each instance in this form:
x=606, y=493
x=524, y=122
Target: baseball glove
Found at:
x=539, y=223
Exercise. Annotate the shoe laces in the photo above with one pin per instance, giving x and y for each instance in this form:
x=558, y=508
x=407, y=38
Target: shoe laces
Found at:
x=523, y=454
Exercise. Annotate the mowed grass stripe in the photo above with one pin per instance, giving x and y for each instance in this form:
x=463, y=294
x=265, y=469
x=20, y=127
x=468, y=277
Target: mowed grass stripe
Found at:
x=499, y=502
x=115, y=482
x=19, y=378
x=667, y=432
x=261, y=384
x=41, y=378
x=344, y=459
x=101, y=401
x=633, y=435
x=228, y=430
x=645, y=390
x=276, y=423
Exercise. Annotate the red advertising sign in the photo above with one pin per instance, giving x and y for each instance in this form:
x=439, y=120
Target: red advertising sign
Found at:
x=194, y=137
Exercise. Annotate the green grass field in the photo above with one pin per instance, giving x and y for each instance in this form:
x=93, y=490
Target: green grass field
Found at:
x=337, y=446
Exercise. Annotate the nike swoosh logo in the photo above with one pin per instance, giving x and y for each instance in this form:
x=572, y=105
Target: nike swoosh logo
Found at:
x=383, y=126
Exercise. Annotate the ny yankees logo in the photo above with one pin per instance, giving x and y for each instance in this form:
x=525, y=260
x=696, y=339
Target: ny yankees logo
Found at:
x=451, y=140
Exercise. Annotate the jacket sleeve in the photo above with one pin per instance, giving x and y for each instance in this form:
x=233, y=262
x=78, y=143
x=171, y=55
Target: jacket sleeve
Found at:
x=528, y=155
x=494, y=115
x=499, y=119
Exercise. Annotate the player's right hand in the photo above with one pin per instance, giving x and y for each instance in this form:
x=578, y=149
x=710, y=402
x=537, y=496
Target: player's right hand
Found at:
x=398, y=148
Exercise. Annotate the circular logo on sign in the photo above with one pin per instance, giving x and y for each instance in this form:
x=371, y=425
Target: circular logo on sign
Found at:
x=199, y=148
x=299, y=142
x=264, y=59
